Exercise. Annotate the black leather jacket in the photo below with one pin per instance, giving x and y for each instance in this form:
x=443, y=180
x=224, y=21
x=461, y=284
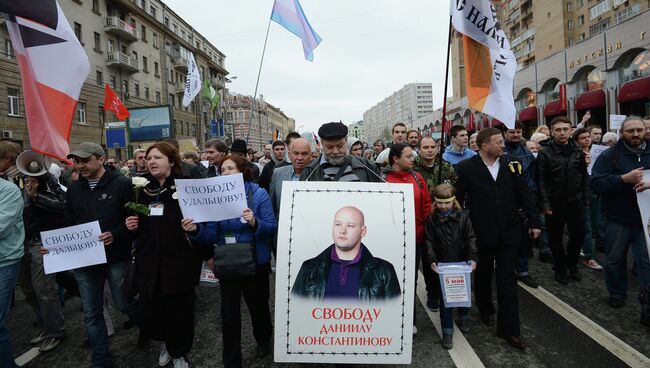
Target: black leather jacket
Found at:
x=562, y=180
x=450, y=238
x=377, y=279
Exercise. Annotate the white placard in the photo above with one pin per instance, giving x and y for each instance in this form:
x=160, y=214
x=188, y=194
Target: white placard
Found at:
x=370, y=324
x=615, y=121
x=205, y=163
x=643, y=200
x=596, y=150
x=212, y=199
x=455, y=283
x=73, y=247
x=207, y=275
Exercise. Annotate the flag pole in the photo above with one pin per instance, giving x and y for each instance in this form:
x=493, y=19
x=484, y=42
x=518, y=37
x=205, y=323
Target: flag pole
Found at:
x=259, y=72
x=444, y=104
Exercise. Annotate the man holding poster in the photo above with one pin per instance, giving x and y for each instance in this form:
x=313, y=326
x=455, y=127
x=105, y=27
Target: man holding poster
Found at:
x=100, y=195
x=617, y=175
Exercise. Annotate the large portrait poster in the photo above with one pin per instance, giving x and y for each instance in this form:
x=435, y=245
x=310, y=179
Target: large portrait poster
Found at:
x=345, y=273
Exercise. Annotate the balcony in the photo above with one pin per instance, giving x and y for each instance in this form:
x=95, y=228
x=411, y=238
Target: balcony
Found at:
x=218, y=84
x=179, y=87
x=122, y=61
x=180, y=63
x=121, y=29
x=527, y=34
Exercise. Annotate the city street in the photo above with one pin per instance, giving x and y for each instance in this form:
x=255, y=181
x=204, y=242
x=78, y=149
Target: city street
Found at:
x=564, y=326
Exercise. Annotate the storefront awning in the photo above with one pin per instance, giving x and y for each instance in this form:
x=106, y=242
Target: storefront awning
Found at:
x=635, y=90
x=554, y=108
x=528, y=114
x=591, y=100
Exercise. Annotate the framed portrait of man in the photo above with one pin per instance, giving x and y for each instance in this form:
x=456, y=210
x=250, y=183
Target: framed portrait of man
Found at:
x=345, y=273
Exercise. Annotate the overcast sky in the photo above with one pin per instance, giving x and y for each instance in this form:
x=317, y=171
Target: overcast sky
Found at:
x=370, y=49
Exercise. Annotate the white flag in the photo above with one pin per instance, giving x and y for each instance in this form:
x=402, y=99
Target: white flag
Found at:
x=192, y=82
x=489, y=61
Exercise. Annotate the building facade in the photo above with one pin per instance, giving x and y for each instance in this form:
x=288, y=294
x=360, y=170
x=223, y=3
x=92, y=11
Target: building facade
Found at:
x=357, y=131
x=140, y=48
x=406, y=105
x=268, y=122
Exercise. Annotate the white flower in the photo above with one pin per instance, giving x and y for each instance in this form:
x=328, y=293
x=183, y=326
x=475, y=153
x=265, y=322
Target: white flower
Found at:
x=139, y=182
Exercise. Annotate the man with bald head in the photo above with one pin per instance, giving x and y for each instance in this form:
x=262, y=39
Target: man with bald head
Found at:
x=347, y=269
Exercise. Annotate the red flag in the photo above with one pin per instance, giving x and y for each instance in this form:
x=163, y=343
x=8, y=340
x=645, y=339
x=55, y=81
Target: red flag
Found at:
x=562, y=96
x=114, y=104
x=53, y=66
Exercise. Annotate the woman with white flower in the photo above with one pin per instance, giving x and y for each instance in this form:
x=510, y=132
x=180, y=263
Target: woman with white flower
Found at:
x=167, y=265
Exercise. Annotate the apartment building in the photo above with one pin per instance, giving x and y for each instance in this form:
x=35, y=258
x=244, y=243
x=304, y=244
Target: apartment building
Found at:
x=267, y=121
x=140, y=48
x=406, y=105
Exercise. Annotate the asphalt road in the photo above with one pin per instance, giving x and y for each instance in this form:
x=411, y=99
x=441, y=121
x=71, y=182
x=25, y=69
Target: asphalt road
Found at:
x=555, y=333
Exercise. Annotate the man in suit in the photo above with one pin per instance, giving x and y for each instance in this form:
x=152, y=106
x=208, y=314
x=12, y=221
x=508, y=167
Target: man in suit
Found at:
x=300, y=156
x=492, y=188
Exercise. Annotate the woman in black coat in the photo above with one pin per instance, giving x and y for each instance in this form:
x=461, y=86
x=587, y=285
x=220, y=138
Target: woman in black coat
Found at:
x=168, y=266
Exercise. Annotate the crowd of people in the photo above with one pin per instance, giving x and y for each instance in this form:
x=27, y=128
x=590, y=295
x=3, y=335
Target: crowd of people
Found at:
x=488, y=198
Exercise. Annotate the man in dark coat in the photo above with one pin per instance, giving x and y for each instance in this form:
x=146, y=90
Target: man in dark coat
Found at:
x=101, y=195
x=347, y=269
x=493, y=190
x=238, y=148
x=563, y=195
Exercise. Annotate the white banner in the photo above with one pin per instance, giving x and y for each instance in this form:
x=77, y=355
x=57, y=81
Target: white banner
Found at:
x=615, y=121
x=192, y=82
x=73, y=247
x=596, y=150
x=352, y=319
x=643, y=200
x=212, y=199
x=477, y=19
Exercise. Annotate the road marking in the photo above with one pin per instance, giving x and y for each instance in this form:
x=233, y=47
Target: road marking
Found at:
x=462, y=354
x=616, y=346
x=27, y=356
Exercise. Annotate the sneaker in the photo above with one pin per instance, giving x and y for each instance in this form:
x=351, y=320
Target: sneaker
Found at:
x=615, y=302
x=433, y=304
x=38, y=339
x=562, y=277
x=164, y=358
x=447, y=341
x=592, y=264
x=415, y=330
x=529, y=281
x=464, y=325
x=181, y=363
x=575, y=273
x=582, y=254
x=49, y=344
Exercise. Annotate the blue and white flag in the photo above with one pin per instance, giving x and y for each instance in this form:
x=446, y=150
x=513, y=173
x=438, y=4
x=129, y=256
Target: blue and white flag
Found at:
x=289, y=14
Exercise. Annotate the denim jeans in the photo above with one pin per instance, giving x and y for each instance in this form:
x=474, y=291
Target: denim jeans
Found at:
x=618, y=239
x=588, y=244
x=447, y=317
x=544, y=248
x=8, y=276
x=91, y=289
x=521, y=267
x=41, y=292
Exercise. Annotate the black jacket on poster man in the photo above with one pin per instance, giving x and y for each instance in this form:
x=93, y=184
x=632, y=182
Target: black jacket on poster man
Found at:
x=361, y=167
x=493, y=205
x=450, y=238
x=165, y=258
x=563, y=180
x=105, y=204
x=377, y=279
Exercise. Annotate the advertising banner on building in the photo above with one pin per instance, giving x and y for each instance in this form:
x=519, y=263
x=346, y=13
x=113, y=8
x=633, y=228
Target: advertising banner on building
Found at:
x=345, y=273
x=150, y=123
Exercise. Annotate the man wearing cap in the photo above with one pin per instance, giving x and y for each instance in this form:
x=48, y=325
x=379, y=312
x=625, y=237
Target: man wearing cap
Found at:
x=101, y=195
x=335, y=163
x=238, y=148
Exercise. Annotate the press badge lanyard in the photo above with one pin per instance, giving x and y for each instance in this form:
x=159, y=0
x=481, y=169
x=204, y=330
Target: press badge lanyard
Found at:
x=156, y=208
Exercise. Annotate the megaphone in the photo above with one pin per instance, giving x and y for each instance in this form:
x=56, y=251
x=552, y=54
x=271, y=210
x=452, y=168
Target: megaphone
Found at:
x=33, y=163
